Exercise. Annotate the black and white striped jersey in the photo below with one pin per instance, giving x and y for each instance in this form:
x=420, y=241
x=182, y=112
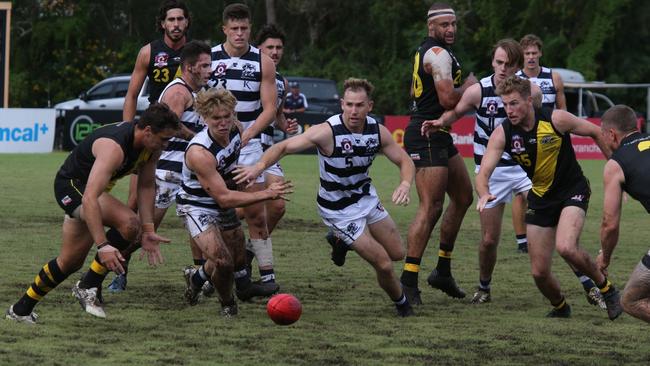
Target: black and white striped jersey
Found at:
x=242, y=76
x=191, y=192
x=344, y=177
x=171, y=159
x=489, y=116
x=545, y=82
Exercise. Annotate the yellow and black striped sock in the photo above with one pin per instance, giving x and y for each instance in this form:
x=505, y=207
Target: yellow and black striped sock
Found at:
x=560, y=305
x=444, y=259
x=45, y=281
x=411, y=270
x=95, y=275
x=605, y=287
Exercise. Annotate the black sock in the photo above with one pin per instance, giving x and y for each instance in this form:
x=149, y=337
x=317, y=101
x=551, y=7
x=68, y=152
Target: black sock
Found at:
x=411, y=270
x=46, y=280
x=444, y=259
x=198, y=262
x=267, y=275
x=587, y=283
x=199, y=277
x=242, y=278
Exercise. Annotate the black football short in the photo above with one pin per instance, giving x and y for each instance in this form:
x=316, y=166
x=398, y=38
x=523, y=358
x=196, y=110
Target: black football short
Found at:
x=546, y=212
x=68, y=193
x=436, y=150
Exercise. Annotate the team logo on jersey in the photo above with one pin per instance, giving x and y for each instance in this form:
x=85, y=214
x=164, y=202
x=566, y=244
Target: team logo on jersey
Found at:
x=545, y=86
x=160, y=60
x=352, y=228
x=517, y=145
x=578, y=197
x=546, y=140
x=248, y=71
x=372, y=145
x=491, y=107
x=220, y=70
x=346, y=146
x=415, y=156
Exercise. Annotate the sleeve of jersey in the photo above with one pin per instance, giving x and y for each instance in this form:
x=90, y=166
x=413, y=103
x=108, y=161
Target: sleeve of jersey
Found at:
x=440, y=63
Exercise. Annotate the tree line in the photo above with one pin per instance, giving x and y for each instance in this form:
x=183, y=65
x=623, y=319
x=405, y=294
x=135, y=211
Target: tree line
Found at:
x=62, y=47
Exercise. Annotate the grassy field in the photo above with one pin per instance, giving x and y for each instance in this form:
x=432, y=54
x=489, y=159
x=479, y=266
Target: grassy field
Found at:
x=347, y=319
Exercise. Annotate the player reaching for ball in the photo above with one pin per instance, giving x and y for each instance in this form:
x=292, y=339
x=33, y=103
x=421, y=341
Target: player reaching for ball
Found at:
x=347, y=201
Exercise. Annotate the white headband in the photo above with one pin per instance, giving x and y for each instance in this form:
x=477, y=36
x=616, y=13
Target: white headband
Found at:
x=432, y=14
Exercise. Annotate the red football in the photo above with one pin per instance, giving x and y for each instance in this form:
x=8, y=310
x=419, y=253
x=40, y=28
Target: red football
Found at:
x=284, y=309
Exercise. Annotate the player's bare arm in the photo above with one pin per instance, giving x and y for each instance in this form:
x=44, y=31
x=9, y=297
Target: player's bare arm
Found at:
x=268, y=97
x=146, y=195
x=108, y=158
x=495, y=148
x=137, y=80
x=437, y=62
x=560, y=97
x=613, y=178
x=203, y=164
x=178, y=98
x=567, y=122
x=470, y=99
x=394, y=153
x=315, y=136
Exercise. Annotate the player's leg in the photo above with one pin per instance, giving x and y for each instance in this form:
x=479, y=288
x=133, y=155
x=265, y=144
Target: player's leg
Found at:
x=233, y=236
x=569, y=229
x=636, y=296
x=491, y=219
x=374, y=253
x=431, y=184
x=541, y=243
x=275, y=209
x=124, y=228
x=519, y=206
x=77, y=241
x=459, y=189
x=430, y=157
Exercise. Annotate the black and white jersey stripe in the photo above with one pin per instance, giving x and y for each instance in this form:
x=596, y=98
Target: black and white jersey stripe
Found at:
x=545, y=82
x=171, y=159
x=489, y=116
x=191, y=192
x=242, y=76
x=267, y=135
x=344, y=177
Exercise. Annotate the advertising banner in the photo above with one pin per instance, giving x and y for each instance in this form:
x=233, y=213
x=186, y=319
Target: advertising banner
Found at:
x=463, y=134
x=79, y=123
x=26, y=130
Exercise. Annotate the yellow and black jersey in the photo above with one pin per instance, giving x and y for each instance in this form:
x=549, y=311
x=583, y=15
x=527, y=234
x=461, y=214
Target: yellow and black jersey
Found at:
x=164, y=66
x=633, y=155
x=547, y=157
x=425, y=103
x=80, y=161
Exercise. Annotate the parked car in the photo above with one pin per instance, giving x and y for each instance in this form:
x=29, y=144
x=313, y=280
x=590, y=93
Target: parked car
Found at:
x=594, y=104
x=322, y=95
x=108, y=94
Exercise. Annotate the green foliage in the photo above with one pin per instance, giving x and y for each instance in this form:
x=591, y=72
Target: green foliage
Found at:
x=347, y=319
x=63, y=47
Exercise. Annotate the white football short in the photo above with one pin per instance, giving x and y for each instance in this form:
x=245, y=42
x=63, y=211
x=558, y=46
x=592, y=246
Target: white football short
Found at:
x=199, y=219
x=250, y=155
x=275, y=169
x=167, y=186
x=505, y=182
x=349, y=228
